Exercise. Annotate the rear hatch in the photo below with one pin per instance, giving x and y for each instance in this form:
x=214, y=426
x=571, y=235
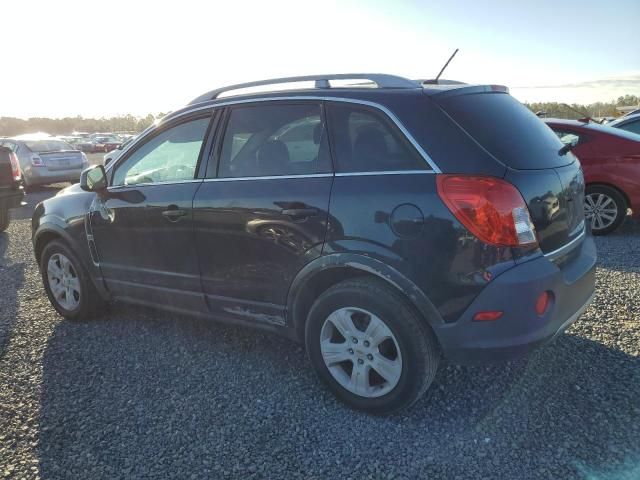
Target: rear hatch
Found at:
x=551, y=184
x=56, y=154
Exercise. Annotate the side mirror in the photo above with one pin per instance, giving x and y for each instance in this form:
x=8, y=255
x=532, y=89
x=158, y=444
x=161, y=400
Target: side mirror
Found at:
x=93, y=179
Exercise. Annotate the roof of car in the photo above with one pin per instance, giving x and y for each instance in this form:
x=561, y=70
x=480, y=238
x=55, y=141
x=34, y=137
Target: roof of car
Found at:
x=323, y=86
x=595, y=127
x=30, y=137
x=624, y=120
x=566, y=121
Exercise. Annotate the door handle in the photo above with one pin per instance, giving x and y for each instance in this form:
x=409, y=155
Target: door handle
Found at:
x=299, y=212
x=173, y=213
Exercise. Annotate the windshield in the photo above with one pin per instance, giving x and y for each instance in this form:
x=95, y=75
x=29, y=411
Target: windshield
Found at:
x=39, y=146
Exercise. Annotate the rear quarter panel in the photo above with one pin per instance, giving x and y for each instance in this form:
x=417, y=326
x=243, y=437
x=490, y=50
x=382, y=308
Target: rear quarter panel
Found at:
x=400, y=221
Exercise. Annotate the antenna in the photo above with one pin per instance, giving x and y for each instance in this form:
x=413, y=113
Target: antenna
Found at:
x=445, y=65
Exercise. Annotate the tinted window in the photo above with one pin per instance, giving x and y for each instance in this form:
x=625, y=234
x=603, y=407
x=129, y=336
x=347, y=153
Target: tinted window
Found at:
x=268, y=140
x=631, y=126
x=365, y=141
x=506, y=129
x=169, y=156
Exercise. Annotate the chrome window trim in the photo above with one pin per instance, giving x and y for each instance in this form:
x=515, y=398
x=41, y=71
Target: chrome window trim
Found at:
x=567, y=247
x=425, y=156
x=385, y=172
x=269, y=177
x=375, y=105
x=148, y=184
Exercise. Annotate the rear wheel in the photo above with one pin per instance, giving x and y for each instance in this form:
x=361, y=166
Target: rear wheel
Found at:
x=370, y=347
x=4, y=219
x=67, y=283
x=605, y=208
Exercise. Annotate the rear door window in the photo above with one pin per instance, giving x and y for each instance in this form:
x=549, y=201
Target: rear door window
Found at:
x=507, y=129
x=274, y=140
x=364, y=140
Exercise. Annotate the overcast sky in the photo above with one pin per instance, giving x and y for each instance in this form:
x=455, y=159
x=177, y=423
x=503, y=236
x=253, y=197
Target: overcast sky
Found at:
x=103, y=58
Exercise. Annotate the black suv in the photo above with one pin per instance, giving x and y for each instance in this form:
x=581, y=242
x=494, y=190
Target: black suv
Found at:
x=383, y=224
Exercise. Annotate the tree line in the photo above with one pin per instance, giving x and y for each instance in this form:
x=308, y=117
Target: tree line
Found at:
x=10, y=126
x=598, y=109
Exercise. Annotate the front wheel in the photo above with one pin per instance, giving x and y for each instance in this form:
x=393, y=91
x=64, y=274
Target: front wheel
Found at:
x=4, y=219
x=370, y=347
x=67, y=283
x=605, y=208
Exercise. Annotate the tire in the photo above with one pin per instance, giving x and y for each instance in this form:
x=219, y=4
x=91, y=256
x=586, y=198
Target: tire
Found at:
x=84, y=302
x=605, y=207
x=4, y=219
x=409, y=353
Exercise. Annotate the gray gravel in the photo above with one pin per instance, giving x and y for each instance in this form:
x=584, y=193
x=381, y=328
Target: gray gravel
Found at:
x=139, y=394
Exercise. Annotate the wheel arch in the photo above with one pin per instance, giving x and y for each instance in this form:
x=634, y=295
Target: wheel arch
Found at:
x=326, y=271
x=48, y=232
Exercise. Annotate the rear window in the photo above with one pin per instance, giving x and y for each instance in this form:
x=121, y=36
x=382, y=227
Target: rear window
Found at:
x=39, y=146
x=506, y=129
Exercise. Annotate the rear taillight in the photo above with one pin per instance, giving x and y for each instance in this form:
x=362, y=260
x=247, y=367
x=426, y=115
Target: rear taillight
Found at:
x=15, y=167
x=489, y=207
x=36, y=161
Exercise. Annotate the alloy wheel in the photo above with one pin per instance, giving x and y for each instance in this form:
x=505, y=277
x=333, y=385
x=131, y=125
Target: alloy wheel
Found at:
x=63, y=281
x=601, y=210
x=361, y=352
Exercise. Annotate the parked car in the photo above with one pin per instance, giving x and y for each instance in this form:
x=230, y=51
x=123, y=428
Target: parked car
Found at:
x=380, y=226
x=11, y=191
x=44, y=160
x=109, y=143
x=629, y=123
x=610, y=158
x=115, y=153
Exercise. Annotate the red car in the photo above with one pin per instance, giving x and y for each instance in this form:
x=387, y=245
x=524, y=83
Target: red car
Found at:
x=610, y=159
x=108, y=143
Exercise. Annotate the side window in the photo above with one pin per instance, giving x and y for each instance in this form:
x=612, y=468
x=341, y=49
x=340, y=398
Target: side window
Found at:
x=365, y=141
x=567, y=137
x=170, y=156
x=633, y=127
x=266, y=140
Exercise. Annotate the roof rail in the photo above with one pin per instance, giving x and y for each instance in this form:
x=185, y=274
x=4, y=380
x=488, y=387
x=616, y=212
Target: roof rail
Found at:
x=321, y=81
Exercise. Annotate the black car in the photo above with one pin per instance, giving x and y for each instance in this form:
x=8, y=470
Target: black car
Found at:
x=383, y=227
x=11, y=190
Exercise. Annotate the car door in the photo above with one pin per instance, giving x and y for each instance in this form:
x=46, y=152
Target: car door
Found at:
x=143, y=226
x=262, y=212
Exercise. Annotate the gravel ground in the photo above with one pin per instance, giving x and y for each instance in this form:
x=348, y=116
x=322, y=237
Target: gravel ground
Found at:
x=139, y=394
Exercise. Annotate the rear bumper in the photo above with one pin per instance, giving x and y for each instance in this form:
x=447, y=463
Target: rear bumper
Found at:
x=44, y=176
x=520, y=330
